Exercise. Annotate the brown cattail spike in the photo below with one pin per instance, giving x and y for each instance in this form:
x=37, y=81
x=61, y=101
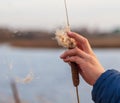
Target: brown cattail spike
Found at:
x=75, y=74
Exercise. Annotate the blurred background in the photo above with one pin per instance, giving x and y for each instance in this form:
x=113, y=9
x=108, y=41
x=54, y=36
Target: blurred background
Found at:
x=27, y=30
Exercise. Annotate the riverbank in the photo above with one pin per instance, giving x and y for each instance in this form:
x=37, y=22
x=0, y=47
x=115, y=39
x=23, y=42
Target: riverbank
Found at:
x=96, y=42
x=43, y=38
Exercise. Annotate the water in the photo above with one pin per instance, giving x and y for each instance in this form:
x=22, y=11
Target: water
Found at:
x=52, y=77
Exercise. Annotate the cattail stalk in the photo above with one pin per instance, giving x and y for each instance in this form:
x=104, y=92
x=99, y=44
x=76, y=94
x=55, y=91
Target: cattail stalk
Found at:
x=15, y=92
x=74, y=67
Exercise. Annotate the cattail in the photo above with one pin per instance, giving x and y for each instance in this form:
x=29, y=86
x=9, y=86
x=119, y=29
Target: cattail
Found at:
x=67, y=42
x=75, y=74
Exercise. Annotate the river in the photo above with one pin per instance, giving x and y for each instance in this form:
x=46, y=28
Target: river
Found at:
x=52, y=77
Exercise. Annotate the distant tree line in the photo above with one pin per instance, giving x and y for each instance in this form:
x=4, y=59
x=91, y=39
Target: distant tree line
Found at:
x=96, y=32
x=7, y=34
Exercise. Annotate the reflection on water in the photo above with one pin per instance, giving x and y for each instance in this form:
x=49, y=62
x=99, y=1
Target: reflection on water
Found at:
x=52, y=78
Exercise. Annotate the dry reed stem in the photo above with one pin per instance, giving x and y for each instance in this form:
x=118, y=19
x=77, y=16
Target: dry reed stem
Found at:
x=15, y=92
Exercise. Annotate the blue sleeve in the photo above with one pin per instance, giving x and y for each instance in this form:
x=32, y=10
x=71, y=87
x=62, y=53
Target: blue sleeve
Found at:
x=107, y=88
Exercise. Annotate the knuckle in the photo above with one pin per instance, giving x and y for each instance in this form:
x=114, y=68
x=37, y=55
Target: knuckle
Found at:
x=77, y=50
x=89, y=58
x=67, y=52
x=85, y=40
x=76, y=58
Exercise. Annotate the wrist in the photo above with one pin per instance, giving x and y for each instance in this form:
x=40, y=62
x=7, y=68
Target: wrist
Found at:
x=98, y=76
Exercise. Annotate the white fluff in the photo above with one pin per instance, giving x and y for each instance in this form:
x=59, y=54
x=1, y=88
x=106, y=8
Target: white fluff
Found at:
x=27, y=79
x=63, y=39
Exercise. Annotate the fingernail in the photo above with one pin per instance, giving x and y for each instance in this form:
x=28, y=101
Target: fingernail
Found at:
x=61, y=56
x=70, y=33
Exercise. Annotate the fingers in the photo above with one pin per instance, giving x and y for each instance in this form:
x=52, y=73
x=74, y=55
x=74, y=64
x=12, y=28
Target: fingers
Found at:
x=74, y=59
x=82, y=41
x=73, y=52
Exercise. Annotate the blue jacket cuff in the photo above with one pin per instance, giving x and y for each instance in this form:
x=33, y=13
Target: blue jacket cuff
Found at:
x=103, y=85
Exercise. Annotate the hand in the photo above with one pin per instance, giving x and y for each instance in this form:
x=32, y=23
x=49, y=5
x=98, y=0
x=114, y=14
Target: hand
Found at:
x=88, y=64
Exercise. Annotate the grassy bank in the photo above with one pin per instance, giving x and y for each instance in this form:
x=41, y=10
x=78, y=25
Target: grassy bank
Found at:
x=43, y=38
x=113, y=42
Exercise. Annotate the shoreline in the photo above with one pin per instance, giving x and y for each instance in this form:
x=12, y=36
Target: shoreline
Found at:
x=95, y=42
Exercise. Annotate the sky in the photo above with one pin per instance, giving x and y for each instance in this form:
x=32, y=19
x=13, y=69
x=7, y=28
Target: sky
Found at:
x=50, y=14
